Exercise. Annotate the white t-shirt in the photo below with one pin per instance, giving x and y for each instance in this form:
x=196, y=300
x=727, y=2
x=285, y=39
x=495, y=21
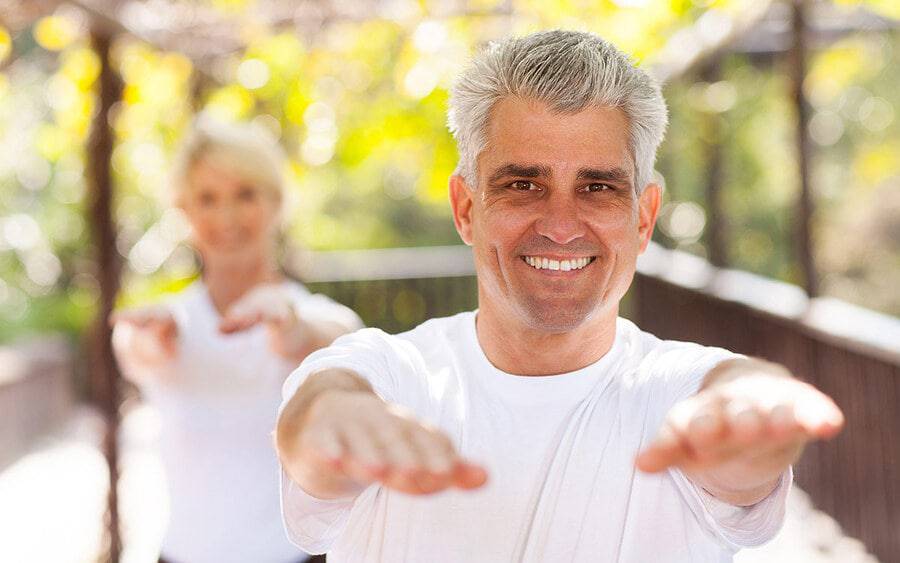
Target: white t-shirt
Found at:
x=217, y=402
x=559, y=451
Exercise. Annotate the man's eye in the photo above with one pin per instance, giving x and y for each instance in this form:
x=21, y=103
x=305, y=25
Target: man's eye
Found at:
x=600, y=188
x=524, y=185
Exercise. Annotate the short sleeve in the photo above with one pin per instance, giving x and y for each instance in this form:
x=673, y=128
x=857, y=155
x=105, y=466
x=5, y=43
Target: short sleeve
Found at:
x=379, y=358
x=676, y=370
x=690, y=364
x=738, y=526
x=679, y=368
x=312, y=524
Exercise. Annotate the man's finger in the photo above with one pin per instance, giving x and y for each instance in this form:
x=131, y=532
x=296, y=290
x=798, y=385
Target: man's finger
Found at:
x=435, y=449
x=468, y=475
x=745, y=422
x=363, y=454
x=781, y=422
x=401, y=456
x=818, y=414
x=665, y=451
x=325, y=447
x=705, y=429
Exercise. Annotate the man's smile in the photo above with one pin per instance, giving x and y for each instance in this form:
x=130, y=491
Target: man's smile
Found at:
x=558, y=264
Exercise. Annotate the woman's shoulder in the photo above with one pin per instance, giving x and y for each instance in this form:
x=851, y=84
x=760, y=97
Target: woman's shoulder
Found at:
x=295, y=288
x=320, y=305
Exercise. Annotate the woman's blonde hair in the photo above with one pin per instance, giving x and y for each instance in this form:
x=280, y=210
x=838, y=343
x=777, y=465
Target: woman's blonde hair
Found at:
x=246, y=149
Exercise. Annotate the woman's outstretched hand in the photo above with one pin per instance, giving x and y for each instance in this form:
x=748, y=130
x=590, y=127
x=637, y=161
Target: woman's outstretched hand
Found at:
x=272, y=305
x=145, y=335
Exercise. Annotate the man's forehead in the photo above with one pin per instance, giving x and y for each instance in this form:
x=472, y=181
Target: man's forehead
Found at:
x=528, y=133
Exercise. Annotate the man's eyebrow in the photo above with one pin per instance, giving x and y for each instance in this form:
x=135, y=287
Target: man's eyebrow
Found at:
x=605, y=175
x=525, y=171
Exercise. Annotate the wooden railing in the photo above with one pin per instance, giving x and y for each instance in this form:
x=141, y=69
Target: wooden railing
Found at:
x=394, y=289
x=850, y=353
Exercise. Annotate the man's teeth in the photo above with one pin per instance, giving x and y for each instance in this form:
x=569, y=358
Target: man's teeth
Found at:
x=550, y=264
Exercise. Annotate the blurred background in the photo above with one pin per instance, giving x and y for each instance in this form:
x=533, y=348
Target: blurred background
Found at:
x=780, y=233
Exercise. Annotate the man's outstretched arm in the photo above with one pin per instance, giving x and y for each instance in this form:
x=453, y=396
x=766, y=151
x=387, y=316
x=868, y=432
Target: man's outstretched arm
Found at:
x=336, y=436
x=749, y=421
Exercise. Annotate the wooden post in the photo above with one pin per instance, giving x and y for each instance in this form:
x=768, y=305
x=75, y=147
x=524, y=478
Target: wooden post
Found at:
x=104, y=374
x=805, y=207
x=715, y=221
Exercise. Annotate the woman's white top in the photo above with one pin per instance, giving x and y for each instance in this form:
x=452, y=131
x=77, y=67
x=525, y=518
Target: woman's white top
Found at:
x=217, y=402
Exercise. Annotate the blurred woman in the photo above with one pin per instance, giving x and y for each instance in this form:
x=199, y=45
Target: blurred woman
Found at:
x=212, y=359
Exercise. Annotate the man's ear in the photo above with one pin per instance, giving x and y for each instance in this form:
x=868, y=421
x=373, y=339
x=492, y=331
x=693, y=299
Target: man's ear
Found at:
x=461, y=202
x=648, y=212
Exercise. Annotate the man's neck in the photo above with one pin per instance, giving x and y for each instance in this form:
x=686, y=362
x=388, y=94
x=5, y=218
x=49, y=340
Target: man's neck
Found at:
x=227, y=281
x=516, y=348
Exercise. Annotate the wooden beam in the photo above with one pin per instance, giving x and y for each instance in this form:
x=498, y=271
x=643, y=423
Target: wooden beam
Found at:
x=104, y=20
x=104, y=373
x=805, y=206
x=716, y=218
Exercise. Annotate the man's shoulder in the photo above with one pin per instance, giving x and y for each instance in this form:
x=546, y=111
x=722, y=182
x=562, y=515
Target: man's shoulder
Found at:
x=454, y=326
x=678, y=364
x=430, y=334
x=646, y=343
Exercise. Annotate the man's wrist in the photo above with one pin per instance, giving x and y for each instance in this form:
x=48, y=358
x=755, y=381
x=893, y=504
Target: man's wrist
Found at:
x=297, y=410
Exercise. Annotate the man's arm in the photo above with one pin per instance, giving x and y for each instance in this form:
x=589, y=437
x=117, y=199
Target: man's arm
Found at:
x=746, y=425
x=335, y=436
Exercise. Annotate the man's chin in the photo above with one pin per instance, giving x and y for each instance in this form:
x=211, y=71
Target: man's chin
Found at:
x=557, y=318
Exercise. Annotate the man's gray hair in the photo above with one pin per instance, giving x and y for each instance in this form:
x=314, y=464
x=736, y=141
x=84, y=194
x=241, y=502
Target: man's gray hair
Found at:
x=568, y=70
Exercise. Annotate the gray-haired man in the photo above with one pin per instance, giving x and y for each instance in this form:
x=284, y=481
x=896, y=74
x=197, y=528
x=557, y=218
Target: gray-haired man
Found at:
x=543, y=427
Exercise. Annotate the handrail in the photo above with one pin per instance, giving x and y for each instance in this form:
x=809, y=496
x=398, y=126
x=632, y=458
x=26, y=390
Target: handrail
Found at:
x=869, y=332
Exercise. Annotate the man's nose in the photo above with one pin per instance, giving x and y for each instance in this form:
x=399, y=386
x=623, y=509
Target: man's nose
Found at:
x=560, y=219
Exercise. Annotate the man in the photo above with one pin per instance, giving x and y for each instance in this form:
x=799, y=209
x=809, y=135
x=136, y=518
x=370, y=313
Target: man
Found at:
x=543, y=427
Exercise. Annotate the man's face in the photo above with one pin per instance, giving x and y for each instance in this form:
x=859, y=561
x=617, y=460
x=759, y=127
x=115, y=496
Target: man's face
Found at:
x=554, y=221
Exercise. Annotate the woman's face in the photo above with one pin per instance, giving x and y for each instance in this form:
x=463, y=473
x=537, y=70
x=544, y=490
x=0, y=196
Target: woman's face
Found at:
x=232, y=218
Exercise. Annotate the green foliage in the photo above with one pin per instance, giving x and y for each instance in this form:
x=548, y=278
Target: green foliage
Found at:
x=855, y=168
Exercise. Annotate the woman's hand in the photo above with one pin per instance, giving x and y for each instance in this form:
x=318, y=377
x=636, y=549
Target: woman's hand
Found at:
x=144, y=336
x=270, y=304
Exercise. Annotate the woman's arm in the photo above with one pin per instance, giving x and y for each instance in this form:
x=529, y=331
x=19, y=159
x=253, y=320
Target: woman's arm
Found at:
x=144, y=339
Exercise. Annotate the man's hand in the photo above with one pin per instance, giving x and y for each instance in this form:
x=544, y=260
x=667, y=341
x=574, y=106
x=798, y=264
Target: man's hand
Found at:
x=349, y=438
x=147, y=335
x=747, y=424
